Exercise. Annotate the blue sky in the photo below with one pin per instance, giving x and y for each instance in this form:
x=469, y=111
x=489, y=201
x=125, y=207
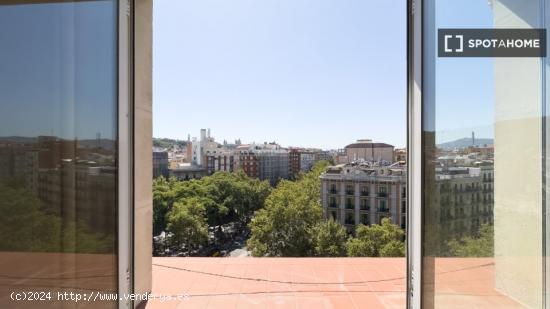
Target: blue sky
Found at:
x=314, y=73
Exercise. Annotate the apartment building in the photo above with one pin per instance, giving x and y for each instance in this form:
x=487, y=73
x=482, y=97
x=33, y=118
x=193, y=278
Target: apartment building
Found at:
x=188, y=171
x=160, y=164
x=20, y=163
x=363, y=193
x=302, y=160
x=264, y=161
x=220, y=160
x=465, y=196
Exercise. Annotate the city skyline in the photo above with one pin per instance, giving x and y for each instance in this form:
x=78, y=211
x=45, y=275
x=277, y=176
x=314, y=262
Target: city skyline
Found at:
x=243, y=141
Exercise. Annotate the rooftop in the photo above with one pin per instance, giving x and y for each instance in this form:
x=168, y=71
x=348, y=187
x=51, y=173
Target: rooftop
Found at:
x=362, y=144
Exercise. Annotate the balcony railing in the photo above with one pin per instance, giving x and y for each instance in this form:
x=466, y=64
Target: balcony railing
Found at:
x=365, y=207
x=349, y=221
x=383, y=209
x=333, y=205
x=350, y=192
x=382, y=194
x=364, y=193
x=333, y=191
x=350, y=206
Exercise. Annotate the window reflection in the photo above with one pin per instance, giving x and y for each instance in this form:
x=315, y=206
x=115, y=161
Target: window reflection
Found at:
x=58, y=149
x=483, y=151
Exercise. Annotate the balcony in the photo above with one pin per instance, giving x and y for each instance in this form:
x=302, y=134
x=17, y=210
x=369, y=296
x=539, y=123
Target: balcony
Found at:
x=333, y=205
x=382, y=194
x=364, y=207
x=383, y=209
x=287, y=282
x=333, y=191
x=350, y=192
x=364, y=193
x=350, y=206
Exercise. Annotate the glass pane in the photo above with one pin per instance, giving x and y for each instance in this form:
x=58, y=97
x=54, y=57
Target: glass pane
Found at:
x=483, y=185
x=58, y=150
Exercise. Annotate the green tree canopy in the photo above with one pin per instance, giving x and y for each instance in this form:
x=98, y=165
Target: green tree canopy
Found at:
x=469, y=246
x=330, y=239
x=284, y=227
x=377, y=240
x=187, y=224
x=226, y=197
x=28, y=226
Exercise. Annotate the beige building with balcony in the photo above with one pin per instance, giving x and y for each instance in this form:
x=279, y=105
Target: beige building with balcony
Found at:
x=356, y=194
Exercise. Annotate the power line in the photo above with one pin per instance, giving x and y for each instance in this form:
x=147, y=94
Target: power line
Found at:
x=308, y=282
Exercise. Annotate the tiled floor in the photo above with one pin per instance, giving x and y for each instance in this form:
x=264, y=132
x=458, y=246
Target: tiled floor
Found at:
x=316, y=283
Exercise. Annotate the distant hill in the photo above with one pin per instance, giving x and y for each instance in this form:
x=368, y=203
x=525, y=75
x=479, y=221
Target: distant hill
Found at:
x=465, y=142
x=87, y=143
x=168, y=142
x=19, y=139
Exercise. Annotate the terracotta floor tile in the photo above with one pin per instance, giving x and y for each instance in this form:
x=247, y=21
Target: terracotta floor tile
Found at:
x=253, y=301
x=223, y=302
x=352, y=283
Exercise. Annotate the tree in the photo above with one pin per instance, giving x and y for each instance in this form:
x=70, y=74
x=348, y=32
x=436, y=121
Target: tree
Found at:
x=284, y=227
x=226, y=197
x=480, y=246
x=330, y=239
x=234, y=197
x=384, y=240
x=28, y=226
x=187, y=224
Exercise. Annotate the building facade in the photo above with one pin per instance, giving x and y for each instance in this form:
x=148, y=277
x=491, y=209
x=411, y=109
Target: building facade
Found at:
x=264, y=161
x=160, y=164
x=355, y=194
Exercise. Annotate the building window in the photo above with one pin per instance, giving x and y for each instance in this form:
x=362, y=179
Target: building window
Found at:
x=350, y=190
x=365, y=205
x=382, y=191
x=349, y=203
x=382, y=206
x=365, y=219
x=350, y=218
